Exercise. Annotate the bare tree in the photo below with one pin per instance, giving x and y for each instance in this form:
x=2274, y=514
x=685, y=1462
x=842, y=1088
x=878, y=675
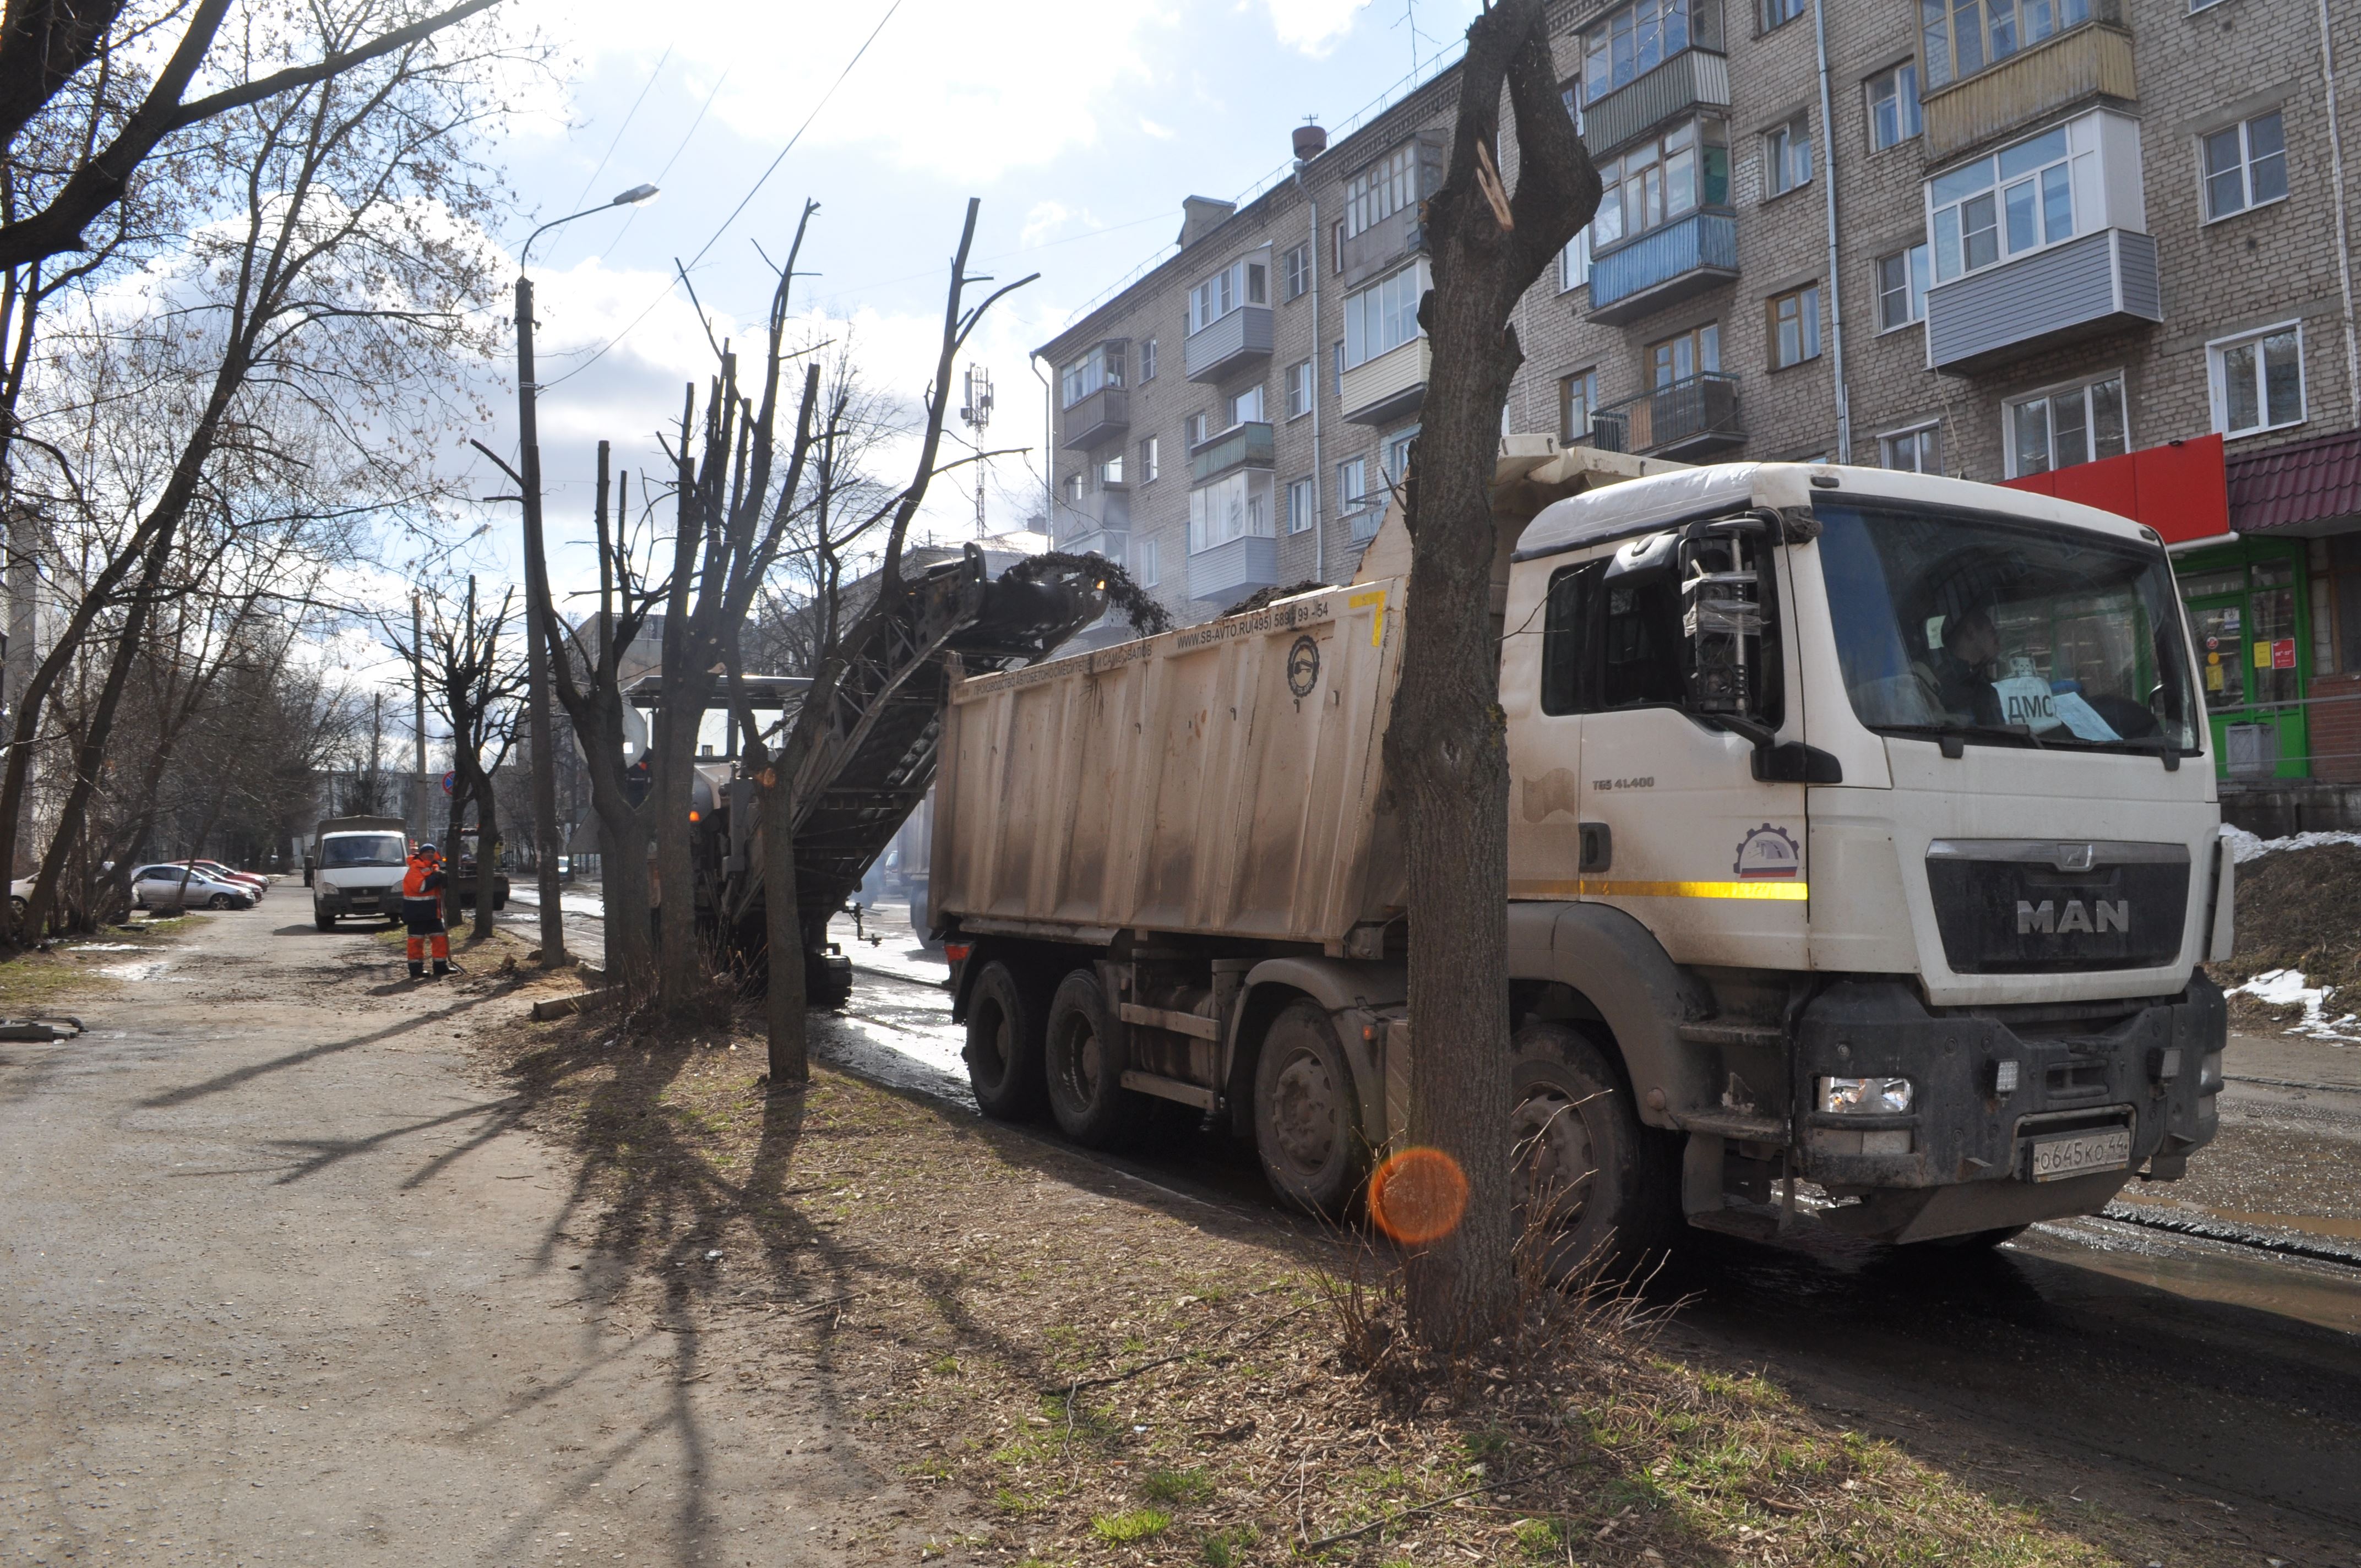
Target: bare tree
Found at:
x=472, y=684
x=1445, y=748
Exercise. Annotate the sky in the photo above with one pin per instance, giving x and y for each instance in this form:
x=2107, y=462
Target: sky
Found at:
x=1079, y=124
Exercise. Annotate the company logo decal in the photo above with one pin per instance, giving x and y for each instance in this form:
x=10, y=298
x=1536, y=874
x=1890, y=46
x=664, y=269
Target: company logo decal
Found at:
x=1768, y=854
x=1304, y=667
x=2102, y=914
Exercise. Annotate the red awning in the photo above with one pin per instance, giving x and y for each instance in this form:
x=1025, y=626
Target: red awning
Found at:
x=2314, y=481
x=2179, y=489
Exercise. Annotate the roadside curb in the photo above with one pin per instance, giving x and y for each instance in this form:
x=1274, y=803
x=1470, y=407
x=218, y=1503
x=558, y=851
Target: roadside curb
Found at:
x=2237, y=1235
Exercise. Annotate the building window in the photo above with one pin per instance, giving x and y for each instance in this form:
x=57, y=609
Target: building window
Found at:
x=1303, y=505
x=1298, y=389
x=1337, y=246
x=1919, y=451
x=1664, y=179
x=1143, y=566
x=1195, y=428
x=2257, y=380
x=1676, y=359
x=1102, y=367
x=1577, y=400
x=1236, y=506
x=1384, y=315
x=2068, y=425
x=1075, y=489
x=1962, y=36
x=1109, y=472
x=1381, y=190
x=1894, y=108
x=1149, y=465
x=1394, y=455
x=1147, y=360
x=1631, y=42
x=2020, y=198
x=1239, y=284
x=1295, y=272
x=1787, y=156
x=1352, y=483
x=1795, y=325
x=1778, y=12
x=2245, y=166
x=1245, y=408
x=1902, y=288
x=1573, y=262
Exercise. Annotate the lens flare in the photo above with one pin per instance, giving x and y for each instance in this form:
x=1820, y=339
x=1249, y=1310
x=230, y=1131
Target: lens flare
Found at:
x=1417, y=1196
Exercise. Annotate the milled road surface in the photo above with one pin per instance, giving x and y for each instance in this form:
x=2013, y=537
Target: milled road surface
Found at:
x=284, y=1286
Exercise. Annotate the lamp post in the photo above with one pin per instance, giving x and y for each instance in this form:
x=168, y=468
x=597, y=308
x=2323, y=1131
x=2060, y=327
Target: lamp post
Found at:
x=536, y=576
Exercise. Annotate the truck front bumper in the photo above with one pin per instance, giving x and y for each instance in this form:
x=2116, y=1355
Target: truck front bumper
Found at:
x=2015, y=1115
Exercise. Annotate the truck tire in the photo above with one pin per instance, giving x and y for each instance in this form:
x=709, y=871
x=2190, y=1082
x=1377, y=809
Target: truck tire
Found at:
x=323, y=920
x=1584, y=1168
x=1307, y=1113
x=1083, y=1056
x=1004, y=1019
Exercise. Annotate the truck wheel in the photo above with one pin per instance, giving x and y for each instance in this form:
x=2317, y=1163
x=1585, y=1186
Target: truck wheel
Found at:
x=1307, y=1113
x=1003, y=1046
x=1083, y=1057
x=1585, y=1171
x=323, y=920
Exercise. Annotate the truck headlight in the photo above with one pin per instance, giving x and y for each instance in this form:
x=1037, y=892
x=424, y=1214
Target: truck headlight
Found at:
x=1865, y=1096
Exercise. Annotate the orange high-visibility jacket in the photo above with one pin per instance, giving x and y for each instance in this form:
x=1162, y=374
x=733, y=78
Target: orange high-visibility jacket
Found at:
x=423, y=879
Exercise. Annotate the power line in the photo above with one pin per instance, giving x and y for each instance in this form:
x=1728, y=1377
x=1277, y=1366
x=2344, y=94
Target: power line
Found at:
x=585, y=193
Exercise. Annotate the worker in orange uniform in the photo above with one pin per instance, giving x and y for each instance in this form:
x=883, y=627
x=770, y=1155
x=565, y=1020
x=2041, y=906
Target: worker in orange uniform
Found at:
x=422, y=911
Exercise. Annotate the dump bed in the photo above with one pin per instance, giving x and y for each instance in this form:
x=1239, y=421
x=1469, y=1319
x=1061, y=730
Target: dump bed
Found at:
x=1222, y=779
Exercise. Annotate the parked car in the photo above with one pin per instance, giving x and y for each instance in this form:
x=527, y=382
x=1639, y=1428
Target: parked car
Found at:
x=258, y=883
x=164, y=887
x=18, y=892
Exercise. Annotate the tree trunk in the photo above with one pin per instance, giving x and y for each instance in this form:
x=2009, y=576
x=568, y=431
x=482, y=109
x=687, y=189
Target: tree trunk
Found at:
x=1446, y=754
x=488, y=871
x=784, y=1001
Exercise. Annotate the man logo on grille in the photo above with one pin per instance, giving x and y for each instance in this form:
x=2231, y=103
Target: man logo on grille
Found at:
x=2047, y=919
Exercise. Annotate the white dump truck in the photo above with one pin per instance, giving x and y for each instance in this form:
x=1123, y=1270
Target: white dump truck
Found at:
x=355, y=867
x=1862, y=833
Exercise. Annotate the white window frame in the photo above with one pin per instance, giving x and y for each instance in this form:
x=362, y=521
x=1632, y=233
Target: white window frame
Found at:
x=1147, y=359
x=1916, y=435
x=1384, y=187
x=1586, y=381
x=2217, y=380
x=2247, y=201
x=1095, y=368
x=1150, y=459
x=1246, y=407
x=1295, y=272
x=1807, y=325
x=1145, y=569
x=1996, y=191
x=1300, y=517
x=1300, y=386
x=1236, y=505
x=1918, y=275
x=1393, y=446
x=1246, y=281
x=1109, y=472
x=1391, y=314
x=1909, y=120
x=1573, y=262
x=2082, y=384
x=1782, y=145
x=1350, y=500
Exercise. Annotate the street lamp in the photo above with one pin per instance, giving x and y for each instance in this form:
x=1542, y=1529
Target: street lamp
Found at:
x=536, y=576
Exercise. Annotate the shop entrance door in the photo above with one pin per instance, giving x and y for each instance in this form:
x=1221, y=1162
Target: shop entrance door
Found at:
x=2252, y=659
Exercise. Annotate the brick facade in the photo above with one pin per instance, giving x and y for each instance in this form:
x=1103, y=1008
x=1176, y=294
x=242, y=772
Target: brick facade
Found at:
x=2194, y=73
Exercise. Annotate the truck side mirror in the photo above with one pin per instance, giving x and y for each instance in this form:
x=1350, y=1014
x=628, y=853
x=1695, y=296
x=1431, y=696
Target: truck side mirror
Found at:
x=1729, y=620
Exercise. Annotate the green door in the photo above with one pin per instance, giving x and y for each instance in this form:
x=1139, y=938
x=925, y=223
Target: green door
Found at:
x=2254, y=658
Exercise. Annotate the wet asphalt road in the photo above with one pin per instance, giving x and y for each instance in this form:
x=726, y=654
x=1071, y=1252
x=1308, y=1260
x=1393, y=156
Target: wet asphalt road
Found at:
x=2088, y=1353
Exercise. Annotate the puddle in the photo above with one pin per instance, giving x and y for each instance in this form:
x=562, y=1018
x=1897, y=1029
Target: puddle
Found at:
x=152, y=969
x=2348, y=1230
x=2322, y=1294
x=101, y=948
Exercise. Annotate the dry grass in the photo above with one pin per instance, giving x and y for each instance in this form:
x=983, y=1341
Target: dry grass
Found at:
x=32, y=981
x=1097, y=1371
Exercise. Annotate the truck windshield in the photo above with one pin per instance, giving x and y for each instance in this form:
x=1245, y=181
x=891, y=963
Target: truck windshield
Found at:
x=2006, y=633
x=362, y=849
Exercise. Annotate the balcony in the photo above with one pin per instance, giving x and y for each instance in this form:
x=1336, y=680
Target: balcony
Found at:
x=1685, y=257
x=1691, y=80
x=1227, y=573
x=2101, y=282
x=1687, y=419
x=1377, y=248
x=1389, y=388
x=1107, y=507
x=1240, y=446
x=1098, y=419
x=2092, y=60
x=1111, y=543
x=1239, y=341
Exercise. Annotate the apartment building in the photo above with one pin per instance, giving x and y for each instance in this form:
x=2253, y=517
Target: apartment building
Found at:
x=2061, y=242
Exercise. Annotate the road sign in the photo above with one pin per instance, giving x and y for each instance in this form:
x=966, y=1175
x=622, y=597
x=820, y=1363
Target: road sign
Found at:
x=450, y=783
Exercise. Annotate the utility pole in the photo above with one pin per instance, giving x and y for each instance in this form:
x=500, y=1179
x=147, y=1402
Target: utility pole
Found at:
x=420, y=818
x=23, y=581
x=976, y=414
x=545, y=841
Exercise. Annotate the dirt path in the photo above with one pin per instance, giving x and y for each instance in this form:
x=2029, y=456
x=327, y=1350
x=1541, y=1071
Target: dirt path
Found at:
x=285, y=1284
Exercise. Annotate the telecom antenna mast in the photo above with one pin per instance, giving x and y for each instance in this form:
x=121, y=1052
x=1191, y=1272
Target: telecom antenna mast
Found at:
x=976, y=414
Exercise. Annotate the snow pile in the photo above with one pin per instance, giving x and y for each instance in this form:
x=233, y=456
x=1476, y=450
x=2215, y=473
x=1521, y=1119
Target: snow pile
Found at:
x=2285, y=988
x=2245, y=846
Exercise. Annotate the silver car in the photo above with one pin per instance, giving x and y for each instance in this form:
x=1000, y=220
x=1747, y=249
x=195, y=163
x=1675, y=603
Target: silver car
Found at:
x=161, y=887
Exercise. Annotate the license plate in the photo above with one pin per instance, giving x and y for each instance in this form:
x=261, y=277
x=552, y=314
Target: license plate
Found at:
x=2072, y=1154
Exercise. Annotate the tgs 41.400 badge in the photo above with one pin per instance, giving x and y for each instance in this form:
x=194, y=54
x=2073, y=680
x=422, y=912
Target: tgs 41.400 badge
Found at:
x=1768, y=854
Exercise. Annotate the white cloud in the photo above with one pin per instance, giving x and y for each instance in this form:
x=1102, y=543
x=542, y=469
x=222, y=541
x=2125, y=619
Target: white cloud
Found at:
x=1314, y=26
x=1161, y=133
x=1043, y=221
